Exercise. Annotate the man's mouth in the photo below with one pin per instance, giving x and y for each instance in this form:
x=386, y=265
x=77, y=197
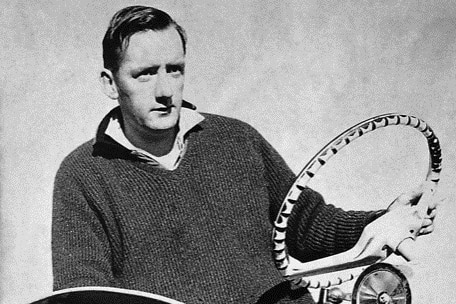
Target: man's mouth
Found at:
x=163, y=110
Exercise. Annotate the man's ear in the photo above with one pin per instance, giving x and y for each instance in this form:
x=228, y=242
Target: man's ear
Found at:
x=108, y=84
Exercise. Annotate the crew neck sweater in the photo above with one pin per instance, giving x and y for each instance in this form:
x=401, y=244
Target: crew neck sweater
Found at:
x=198, y=234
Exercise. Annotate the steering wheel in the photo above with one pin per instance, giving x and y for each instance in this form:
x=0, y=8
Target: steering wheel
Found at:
x=342, y=267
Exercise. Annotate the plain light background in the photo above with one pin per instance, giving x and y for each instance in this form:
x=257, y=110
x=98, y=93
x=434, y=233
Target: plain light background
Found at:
x=298, y=71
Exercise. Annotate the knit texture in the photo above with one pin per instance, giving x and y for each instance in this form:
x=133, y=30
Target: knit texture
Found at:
x=198, y=234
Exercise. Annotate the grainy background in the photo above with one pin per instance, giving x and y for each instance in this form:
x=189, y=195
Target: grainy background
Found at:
x=298, y=71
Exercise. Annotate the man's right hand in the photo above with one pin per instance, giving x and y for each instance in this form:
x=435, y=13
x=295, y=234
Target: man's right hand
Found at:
x=410, y=215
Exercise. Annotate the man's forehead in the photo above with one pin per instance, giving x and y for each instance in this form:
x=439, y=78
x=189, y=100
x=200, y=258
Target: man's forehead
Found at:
x=160, y=46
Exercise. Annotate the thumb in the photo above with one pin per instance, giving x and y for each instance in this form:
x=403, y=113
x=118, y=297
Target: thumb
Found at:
x=408, y=198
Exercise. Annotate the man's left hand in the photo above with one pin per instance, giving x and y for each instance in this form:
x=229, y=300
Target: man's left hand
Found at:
x=423, y=192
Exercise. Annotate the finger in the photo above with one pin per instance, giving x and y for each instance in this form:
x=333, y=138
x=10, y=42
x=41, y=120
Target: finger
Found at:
x=413, y=196
x=426, y=230
x=433, y=204
x=431, y=213
x=430, y=199
x=407, y=249
x=403, y=200
x=427, y=223
x=427, y=201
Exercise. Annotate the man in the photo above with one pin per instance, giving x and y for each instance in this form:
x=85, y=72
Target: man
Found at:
x=178, y=203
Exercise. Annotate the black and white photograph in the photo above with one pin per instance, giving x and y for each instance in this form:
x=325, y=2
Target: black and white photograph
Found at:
x=243, y=151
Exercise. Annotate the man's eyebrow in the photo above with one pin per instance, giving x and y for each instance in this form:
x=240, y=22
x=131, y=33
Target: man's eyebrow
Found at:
x=175, y=65
x=143, y=69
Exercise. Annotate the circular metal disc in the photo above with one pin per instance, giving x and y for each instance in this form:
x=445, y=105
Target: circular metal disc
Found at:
x=381, y=283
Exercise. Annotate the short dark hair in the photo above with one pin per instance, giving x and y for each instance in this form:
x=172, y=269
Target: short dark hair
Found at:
x=129, y=21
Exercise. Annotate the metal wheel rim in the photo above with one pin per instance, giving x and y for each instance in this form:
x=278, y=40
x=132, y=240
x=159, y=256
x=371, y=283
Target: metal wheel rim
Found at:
x=379, y=283
x=280, y=250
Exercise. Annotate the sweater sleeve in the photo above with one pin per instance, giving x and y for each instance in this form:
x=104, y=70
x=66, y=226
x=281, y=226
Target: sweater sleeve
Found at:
x=80, y=248
x=315, y=229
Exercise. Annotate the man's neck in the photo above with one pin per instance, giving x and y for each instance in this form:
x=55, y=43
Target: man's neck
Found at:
x=156, y=142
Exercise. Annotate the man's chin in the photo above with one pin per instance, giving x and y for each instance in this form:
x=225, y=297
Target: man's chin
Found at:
x=163, y=123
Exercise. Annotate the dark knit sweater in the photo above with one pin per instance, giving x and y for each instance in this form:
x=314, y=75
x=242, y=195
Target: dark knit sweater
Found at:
x=198, y=234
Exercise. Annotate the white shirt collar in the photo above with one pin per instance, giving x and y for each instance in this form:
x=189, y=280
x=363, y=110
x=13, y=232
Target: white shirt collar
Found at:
x=187, y=120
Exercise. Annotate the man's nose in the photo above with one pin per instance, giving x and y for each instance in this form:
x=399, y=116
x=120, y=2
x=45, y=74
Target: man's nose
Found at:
x=163, y=92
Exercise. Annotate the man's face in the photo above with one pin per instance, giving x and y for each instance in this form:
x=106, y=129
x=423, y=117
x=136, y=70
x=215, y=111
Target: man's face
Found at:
x=150, y=81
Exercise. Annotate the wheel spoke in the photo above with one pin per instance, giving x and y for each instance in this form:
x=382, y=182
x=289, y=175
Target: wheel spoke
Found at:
x=366, y=295
x=381, y=279
x=367, y=301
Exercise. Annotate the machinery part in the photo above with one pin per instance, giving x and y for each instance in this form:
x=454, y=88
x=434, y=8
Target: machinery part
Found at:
x=335, y=295
x=381, y=283
x=103, y=295
x=296, y=271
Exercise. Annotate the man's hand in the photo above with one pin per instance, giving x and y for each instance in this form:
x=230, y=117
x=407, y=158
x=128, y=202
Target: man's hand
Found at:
x=410, y=215
x=425, y=195
x=389, y=231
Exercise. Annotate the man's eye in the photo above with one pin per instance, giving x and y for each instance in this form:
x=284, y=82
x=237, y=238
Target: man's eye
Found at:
x=146, y=73
x=145, y=76
x=175, y=69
